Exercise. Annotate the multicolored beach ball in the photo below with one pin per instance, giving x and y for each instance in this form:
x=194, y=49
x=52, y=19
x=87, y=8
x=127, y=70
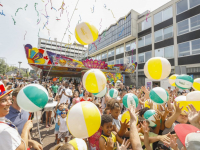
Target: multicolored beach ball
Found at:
x=113, y=93
x=149, y=116
x=83, y=119
x=32, y=98
x=129, y=100
x=78, y=144
x=94, y=80
x=159, y=95
x=184, y=82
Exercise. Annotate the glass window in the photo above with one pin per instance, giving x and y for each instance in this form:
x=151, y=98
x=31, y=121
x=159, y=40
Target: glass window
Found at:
x=110, y=53
x=141, y=58
x=147, y=56
x=183, y=27
x=104, y=56
x=167, y=13
x=122, y=61
x=158, y=36
x=158, y=18
x=128, y=46
x=159, y=52
x=119, y=50
x=196, y=46
x=144, y=24
x=184, y=49
x=169, y=52
x=141, y=42
x=148, y=39
x=194, y=3
x=195, y=22
x=168, y=32
x=133, y=45
x=182, y=6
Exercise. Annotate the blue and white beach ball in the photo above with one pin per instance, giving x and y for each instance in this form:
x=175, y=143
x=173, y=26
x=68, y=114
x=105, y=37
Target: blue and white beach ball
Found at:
x=130, y=99
x=101, y=94
x=159, y=95
x=113, y=93
x=149, y=116
x=184, y=82
x=32, y=97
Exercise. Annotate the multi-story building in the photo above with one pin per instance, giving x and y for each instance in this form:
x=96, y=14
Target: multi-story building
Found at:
x=171, y=31
x=74, y=50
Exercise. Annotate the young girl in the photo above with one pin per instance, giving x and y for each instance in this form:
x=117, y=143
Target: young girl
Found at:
x=76, y=98
x=86, y=97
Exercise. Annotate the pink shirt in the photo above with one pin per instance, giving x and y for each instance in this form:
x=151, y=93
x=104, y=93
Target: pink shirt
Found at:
x=76, y=100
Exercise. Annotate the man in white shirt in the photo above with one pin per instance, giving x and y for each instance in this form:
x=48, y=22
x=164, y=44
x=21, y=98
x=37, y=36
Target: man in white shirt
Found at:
x=65, y=94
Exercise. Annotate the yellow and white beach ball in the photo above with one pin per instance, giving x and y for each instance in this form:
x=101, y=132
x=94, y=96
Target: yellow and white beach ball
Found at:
x=86, y=33
x=172, y=79
x=157, y=68
x=83, y=119
x=196, y=84
x=126, y=116
x=194, y=98
x=94, y=81
x=78, y=144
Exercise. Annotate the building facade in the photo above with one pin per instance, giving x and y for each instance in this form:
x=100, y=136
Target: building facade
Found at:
x=171, y=31
x=74, y=50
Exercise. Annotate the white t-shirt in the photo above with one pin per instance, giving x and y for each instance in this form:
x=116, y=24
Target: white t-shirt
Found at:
x=63, y=125
x=64, y=98
x=10, y=138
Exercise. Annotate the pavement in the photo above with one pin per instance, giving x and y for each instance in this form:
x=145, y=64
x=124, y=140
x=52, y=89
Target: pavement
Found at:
x=47, y=134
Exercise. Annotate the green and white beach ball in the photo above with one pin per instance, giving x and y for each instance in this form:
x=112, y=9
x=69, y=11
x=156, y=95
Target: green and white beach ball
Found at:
x=130, y=99
x=32, y=97
x=149, y=116
x=184, y=82
x=101, y=94
x=159, y=95
x=113, y=93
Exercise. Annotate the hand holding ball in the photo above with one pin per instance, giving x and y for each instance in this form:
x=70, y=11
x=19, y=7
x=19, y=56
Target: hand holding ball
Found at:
x=129, y=100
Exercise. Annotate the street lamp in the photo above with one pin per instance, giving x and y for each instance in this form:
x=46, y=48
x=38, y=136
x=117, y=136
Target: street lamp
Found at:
x=19, y=66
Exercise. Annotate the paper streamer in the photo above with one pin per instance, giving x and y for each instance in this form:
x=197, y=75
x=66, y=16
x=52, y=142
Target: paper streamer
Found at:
x=99, y=38
x=36, y=9
x=121, y=32
x=46, y=16
x=70, y=32
x=100, y=25
x=57, y=19
x=92, y=9
x=13, y=20
x=38, y=33
x=38, y=21
x=1, y=5
x=26, y=6
x=147, y=16
x=90, y=47
x=95, y=45
x=80, y=19
x=17, y=11
x=1, y=13
x=46, y=8
x=53, y=8
x=25, y=35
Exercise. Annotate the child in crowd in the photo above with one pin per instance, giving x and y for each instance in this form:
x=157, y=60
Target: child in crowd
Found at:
x=76, y=98
x=108, y=139
x=59, y=108
x=63, y=130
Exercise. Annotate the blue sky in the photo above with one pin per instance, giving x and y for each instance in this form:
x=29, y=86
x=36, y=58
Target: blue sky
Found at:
x=12, y=36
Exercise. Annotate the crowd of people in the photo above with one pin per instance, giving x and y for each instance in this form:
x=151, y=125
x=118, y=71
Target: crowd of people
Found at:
x=175, y=129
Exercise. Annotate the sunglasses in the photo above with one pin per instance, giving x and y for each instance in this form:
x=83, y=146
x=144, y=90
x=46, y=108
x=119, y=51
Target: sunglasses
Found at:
x=63, y=113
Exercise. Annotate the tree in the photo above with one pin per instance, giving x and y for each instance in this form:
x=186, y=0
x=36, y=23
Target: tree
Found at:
x=4, y=67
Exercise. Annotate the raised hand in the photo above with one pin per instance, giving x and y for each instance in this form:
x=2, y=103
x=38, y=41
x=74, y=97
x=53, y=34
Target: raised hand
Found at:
x=177, y=108
x=109, y=145
x=145, y=127
x=150, y=102
x=165, y=138
x=157, y=119
x=193, y=116
x=133, y=116
x=172, y=142
x=124, y=146
x=125, y=124
x=58, y=117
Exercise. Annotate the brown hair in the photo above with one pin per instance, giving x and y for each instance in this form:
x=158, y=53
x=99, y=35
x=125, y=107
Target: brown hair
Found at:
x=15, y=92
x=115, y=104
x=67, y=146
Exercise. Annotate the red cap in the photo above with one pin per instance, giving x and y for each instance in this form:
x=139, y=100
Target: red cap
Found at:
x=182, y=130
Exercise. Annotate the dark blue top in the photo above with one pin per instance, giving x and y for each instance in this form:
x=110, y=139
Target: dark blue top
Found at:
x=18, y=118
